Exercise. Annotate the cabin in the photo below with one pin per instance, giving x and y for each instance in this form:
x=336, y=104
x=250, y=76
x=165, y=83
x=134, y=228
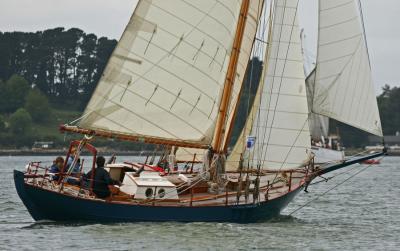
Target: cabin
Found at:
x=149, y=185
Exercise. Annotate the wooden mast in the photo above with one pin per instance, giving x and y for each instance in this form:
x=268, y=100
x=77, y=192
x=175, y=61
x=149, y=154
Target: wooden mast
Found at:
x=235, y=110
x=230, y=77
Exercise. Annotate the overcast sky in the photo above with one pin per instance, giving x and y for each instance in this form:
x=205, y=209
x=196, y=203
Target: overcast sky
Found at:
x=109, y=17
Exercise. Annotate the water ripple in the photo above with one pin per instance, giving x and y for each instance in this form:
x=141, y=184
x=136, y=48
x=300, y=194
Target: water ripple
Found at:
x=360, y=215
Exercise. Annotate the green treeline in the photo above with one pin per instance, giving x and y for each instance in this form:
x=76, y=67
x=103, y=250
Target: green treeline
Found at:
x=47, y=78
x=64, y=65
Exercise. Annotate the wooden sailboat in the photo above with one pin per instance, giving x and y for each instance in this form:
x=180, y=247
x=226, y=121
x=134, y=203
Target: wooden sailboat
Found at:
x=174, y=80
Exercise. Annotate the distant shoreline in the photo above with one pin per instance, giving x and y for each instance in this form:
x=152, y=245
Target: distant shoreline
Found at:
x=62, y=152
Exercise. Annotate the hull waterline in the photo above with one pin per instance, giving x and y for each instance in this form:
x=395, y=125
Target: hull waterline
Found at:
x=47, y=205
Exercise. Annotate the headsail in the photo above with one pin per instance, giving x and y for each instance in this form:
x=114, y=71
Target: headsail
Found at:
x=281, y=124
x=319, y=124
x=165, y=77
x=343, y=88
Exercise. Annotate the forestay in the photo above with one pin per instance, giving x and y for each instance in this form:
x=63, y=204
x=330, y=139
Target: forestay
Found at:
x=281, y=124
x=165, y=77
x=343, y=88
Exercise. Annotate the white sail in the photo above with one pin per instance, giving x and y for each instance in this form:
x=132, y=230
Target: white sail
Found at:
x=253, y=16
x=235, y=156
x=319, y=124
x=281, y=126
x=343, y=88
x=165, y=77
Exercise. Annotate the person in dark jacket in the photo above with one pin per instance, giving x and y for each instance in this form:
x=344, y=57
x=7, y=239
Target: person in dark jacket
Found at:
x=103, y=184
x=56, y=168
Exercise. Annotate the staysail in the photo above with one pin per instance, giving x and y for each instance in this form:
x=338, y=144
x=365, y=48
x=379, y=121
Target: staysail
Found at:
x=343, y=87
x=280, y=127
x=319, y=124
x=164, y=79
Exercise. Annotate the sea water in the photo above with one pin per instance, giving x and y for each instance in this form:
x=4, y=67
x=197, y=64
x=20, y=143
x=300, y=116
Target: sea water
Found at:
x=361, y=214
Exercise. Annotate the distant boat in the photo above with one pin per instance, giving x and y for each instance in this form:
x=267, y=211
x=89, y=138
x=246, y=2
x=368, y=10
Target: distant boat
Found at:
x=174, y=81
x=371, y=162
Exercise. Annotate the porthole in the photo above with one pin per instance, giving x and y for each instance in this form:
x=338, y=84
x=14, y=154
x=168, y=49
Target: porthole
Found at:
x=161, y=193
x=149, y=192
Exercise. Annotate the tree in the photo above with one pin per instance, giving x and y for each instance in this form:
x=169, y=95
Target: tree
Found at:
x=13, y=93
x=2, y=124
x=37, y=105
x=20, y=122
x=64, y=64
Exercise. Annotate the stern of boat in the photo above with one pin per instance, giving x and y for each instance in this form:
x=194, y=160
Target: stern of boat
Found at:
x=22, y=190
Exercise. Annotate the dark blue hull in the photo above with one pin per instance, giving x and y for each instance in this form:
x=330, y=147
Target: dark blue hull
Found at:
x=47, y=205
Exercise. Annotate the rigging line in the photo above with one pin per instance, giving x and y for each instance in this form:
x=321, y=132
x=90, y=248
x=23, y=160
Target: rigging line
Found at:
x=273, y=82
x=257, y=114
x=290, y=150
x=364, y=32
x=256, y=123
x=260, y=153
x=281, y=81
x=80, y=118
x=334, y=176
x=255, y=47
x=332, y=188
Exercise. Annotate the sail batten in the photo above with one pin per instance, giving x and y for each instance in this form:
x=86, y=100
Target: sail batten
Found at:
x=165, y=78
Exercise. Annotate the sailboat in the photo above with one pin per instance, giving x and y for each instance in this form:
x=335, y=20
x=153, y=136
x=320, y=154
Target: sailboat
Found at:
x=174, y=81
x=326, y=147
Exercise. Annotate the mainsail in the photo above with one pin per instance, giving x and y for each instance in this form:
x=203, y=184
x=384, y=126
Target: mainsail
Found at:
x=164, y=79
x=280, y=127
x=343, y=87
